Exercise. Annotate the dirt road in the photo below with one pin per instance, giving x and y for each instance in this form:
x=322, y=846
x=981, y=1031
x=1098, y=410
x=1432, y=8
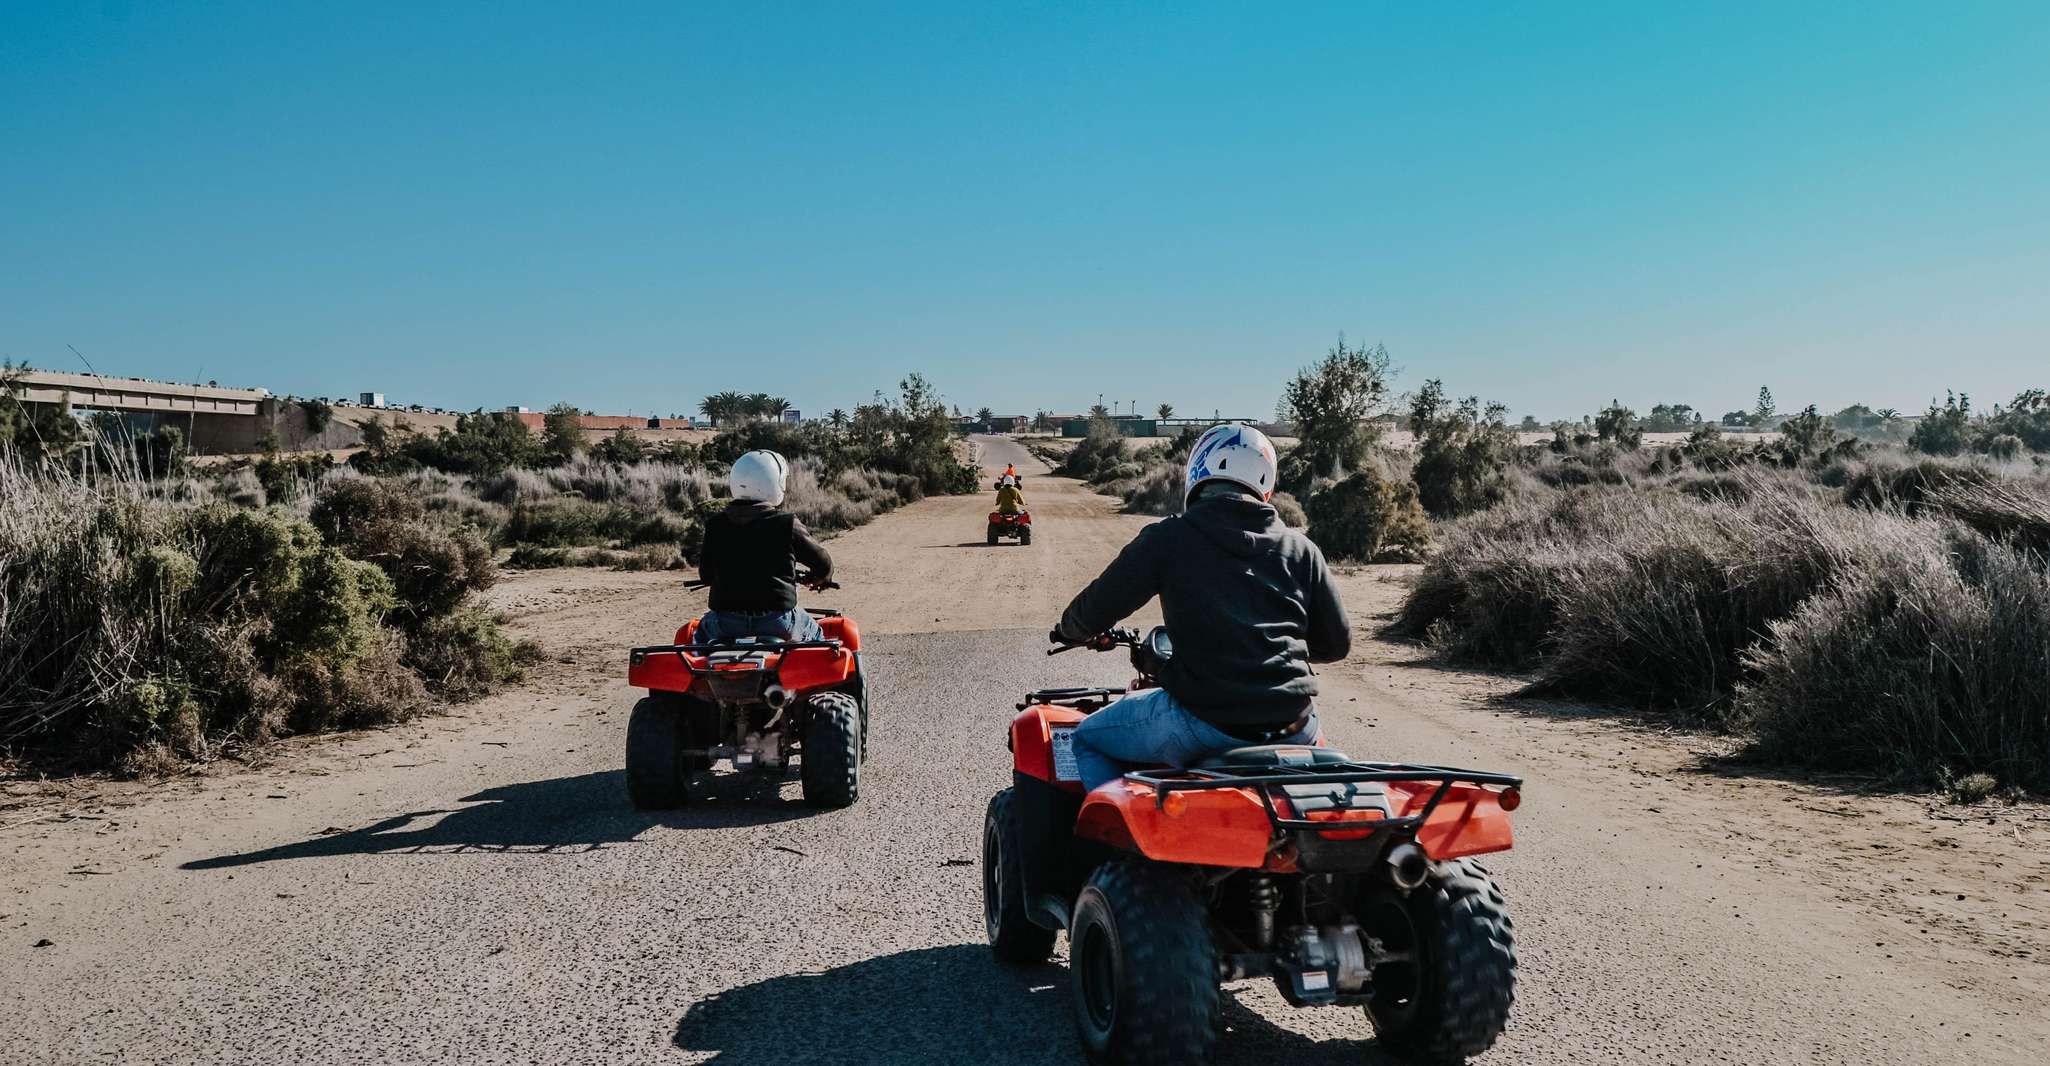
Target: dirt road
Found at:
x=474, y=888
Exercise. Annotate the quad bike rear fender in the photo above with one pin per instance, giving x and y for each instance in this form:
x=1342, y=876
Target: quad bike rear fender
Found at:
x=1213, y=827
x=1468, y=821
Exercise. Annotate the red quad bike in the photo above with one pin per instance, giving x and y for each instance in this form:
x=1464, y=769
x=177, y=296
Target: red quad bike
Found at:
x=755, y=701
x=1003, y=525
x=1348, y=883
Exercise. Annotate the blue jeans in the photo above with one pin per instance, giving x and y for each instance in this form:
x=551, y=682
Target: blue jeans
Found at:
x=1149, y=726
x=795, y=624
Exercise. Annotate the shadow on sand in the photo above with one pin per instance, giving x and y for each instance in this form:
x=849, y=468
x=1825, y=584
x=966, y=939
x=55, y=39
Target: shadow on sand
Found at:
x=950, y=1005
x=581, y=813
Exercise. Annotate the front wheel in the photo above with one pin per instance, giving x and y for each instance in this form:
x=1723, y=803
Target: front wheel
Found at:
x=657, y=776
x=1012, y=933
x=830, y=761
x=1143, y=966
x=1444, y=992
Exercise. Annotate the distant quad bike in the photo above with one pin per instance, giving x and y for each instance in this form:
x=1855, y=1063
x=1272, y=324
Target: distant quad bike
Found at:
x=757, y=702
x=1003, y=525
x=1348, y=883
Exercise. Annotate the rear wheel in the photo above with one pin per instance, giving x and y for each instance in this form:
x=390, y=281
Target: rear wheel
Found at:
x=1012, y=935
x=1025, y=534
x=831, y=760
x=1143, y=967
x=1448, y=978
x=657, y=777
x=992, y=534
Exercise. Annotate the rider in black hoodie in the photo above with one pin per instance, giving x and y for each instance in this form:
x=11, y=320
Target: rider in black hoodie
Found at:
x=750, y=557
x=1250, y=606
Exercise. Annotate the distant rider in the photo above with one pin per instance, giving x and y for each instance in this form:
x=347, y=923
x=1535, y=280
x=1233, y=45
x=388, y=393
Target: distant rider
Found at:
x=1250, y=606
x=1010, y=498
x=750, y=557
x=1010, y=471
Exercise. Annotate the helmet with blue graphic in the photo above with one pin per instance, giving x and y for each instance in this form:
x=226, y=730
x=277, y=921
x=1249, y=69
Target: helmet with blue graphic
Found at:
x=759, y=476
x=1232, y=453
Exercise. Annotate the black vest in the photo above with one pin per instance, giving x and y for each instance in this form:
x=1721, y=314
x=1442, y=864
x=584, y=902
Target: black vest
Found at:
x=751, y=563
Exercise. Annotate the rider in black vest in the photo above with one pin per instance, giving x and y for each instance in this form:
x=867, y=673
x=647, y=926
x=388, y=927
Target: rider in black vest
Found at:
x=751, y=555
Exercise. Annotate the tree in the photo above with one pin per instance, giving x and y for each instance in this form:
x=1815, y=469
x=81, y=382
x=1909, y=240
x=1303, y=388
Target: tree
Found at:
x=1763, y=414
x=1097, y=410
x=1807, y=434
x=1670, y=418
x=836, y=418
x=1619, y=424
x=36, y=431
x=771, y=406
x=984, y=415
x=1165, y=411
x=1043, y=421
x=723, y=408
x=1530, y=424
x=562, y=433
x=1946, y=429
x=1331, y=403
x=1855, y=417
x=2027, y=420
x=1735, y=419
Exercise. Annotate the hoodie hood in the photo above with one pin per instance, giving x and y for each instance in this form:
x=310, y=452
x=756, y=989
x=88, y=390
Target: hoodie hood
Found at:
x=742, y=512
x=1243, y=525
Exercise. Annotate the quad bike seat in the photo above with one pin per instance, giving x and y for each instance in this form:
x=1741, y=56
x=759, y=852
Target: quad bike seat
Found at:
x=1273, y=755
x=1312, y=795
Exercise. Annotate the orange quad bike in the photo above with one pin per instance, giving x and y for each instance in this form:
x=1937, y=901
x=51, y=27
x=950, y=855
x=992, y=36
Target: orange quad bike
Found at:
x=1348, y=883
x=1010, y=526
x=755, y=701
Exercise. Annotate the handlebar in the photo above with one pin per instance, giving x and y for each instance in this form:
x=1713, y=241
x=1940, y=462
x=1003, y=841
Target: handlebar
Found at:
x=1115, y=638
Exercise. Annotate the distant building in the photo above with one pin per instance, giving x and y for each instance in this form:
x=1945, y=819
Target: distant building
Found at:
x=792, y=415
x=373, y=399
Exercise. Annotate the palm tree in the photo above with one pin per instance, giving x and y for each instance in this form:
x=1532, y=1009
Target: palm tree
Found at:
x=721, y=407
x=837, y=418
x=1166, y=411
x=774, y=406
x=983, y=415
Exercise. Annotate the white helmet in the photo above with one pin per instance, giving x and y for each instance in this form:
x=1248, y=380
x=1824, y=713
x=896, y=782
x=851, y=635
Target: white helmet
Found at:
x=1008, y=480
x=1232, y=453
x=759, y=476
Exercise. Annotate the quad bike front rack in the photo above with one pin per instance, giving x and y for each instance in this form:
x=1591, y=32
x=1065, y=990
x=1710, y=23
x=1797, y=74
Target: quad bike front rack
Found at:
x=1270, y=779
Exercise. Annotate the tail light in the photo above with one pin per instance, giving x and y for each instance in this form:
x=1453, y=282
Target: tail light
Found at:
x=1026, y=518
x=1510, y=798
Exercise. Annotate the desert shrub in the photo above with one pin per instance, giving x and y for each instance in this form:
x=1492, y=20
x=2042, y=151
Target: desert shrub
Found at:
x=137, y=632
x=1102, y=448
x=318, y=414
x=1290, y=511
x=1618, y=424
x=1907, y=482
x=465, y=653
x=1462, y=452
x=378, y=521
x=2011, y=510
x=621, y=448
x=1946, y=429
x=1924, y=660
x=1368, y=517
x=2003, y=446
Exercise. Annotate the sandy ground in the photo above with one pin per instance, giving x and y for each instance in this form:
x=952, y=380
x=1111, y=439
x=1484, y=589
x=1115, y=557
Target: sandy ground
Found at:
x=474, y=887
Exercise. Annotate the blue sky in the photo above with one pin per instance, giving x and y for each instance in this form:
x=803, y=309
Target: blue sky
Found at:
x=629, y=206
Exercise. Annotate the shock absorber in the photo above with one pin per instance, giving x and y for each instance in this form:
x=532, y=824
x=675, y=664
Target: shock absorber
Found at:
x=1264, y=896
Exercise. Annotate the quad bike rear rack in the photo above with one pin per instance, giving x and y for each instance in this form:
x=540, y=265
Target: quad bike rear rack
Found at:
x=1269, y=779
x=638, y=655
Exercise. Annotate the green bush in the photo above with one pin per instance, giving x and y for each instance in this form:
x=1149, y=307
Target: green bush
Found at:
x=1370, y=518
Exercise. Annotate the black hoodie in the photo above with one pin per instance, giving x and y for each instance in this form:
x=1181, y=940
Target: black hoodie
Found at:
x=1247, y=600
x=751, y=554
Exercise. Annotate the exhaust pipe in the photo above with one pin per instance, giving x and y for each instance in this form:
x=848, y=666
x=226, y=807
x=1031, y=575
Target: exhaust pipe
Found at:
x=776, y=696
x=1408, y=866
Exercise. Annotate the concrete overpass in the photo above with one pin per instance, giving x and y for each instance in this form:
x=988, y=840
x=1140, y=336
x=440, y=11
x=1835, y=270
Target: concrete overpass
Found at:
x=213, y=419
